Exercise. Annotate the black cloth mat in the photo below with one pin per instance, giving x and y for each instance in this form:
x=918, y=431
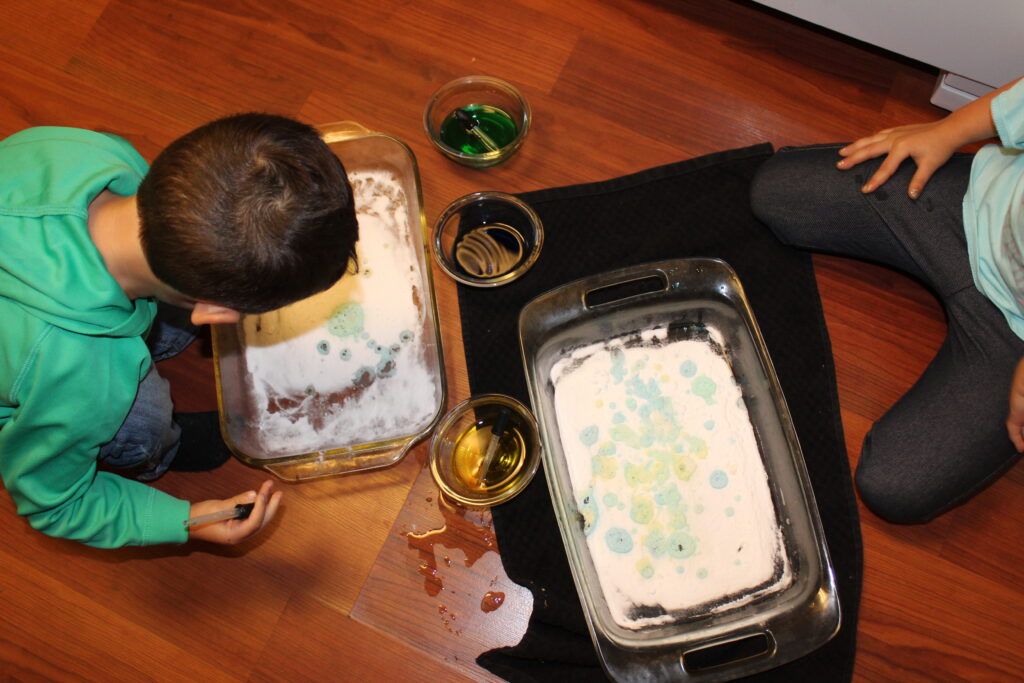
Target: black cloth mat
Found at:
x=691, y=208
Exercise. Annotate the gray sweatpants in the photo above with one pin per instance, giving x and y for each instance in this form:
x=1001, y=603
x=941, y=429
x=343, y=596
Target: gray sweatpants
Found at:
x=945, y=439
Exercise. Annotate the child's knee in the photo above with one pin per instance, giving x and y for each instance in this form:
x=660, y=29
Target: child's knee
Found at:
x=148, y=432
x=767, y=193
x=891, y=499
x=894, y=491
x=784, y=185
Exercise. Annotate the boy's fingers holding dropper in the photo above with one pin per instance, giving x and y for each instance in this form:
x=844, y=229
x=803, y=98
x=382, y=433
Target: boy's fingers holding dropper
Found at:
x=267, y=502
x=273, y=504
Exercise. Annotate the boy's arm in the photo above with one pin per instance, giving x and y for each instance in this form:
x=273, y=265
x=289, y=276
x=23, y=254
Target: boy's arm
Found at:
x=48, y=462
x=48, y=457
x=100, y=509
x=930, y=145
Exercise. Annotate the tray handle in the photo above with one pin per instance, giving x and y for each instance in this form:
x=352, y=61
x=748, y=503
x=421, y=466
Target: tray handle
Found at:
x=728, y=653
x=340, y=131
x=623, y=290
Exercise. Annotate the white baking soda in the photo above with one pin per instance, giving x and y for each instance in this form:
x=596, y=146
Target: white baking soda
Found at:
x=349, y=366
x=667, y=476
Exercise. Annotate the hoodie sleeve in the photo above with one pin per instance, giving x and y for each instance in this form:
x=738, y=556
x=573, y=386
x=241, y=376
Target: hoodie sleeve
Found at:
x=49, y=448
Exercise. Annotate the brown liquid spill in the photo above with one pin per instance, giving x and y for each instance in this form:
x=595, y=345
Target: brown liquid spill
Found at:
x=447, y=619
x=492, y=600
x=472, y=539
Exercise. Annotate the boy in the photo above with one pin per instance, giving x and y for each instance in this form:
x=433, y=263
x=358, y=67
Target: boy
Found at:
x=243, y=215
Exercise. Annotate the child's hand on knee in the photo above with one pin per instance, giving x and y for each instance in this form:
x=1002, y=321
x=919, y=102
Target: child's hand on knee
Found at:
x=930, y=145
x=232, y=531
x=1015, y=419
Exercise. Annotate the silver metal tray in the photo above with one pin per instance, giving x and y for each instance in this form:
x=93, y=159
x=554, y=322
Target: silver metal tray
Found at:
x=737, y=633
x=350, y=378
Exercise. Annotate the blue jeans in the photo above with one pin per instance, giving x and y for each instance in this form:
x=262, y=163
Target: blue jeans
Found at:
x=945, y=439
x=148, y=439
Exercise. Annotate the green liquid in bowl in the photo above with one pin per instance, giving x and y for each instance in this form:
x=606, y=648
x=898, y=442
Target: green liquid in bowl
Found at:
x=492, y=121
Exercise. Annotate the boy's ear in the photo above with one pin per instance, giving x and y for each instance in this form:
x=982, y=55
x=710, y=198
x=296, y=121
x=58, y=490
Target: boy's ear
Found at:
x=204, y=313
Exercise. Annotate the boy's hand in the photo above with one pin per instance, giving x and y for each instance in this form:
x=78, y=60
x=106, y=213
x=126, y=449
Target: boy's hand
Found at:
x=1015, y=419
x=930, y=145
x=234, y=531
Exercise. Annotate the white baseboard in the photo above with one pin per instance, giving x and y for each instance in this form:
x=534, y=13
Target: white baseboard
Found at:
x=953, y=91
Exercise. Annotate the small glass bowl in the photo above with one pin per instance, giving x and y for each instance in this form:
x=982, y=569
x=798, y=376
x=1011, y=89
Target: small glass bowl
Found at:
x=485, y=451
x=486, y=239
x=495, y=119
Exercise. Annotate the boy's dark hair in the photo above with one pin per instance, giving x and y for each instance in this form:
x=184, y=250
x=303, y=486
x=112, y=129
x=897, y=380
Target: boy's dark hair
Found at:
x=252, y=212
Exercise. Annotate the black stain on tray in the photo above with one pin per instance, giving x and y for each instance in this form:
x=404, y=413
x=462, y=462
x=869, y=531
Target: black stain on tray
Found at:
x=688, y=331
x=638, y=612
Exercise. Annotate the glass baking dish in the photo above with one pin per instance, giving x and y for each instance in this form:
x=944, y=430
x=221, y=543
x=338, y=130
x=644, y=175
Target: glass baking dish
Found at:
x=350, y=378
x=696, y=548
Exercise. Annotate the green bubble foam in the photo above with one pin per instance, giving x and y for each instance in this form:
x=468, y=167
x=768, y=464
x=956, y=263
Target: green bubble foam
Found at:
x=704, y=387
x=347, y=320
x=656, y=543
x=618, y=540
x=681, y=545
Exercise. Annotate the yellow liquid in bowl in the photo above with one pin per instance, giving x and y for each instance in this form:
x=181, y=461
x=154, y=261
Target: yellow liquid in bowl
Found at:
x=508, y=460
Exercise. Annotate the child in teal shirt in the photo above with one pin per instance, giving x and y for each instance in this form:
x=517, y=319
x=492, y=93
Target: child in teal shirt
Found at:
x=245, y=214
x=958, y=228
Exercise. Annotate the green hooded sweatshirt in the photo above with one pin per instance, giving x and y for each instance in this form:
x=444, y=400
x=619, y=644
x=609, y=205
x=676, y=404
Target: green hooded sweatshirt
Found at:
x=72, y=344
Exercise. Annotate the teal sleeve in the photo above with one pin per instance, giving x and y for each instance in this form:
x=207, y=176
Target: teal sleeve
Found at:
x=1008, y=116
x=68, y=405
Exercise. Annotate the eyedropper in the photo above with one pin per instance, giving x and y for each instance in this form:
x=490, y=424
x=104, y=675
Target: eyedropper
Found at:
x=240, y=511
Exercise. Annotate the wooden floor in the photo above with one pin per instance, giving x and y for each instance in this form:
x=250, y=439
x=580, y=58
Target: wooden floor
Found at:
x=336, y=589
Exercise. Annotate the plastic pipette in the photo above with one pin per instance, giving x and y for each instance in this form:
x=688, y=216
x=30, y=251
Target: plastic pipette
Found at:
x=240, y=511
x=472, y=127
x=497, y=431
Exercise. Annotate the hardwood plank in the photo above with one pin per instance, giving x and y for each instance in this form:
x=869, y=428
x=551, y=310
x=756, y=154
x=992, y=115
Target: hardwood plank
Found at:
x=40, y=95
x=316, y=643
x=980, y=643
x=983, y=535
x=876, y=364
x=66, y=24
x=64, y=641
x=182, y=71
